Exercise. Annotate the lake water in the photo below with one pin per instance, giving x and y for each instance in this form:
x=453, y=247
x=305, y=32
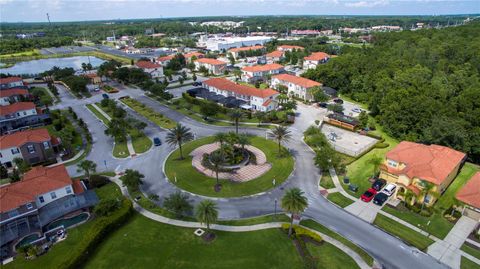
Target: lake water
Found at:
x=42, y=65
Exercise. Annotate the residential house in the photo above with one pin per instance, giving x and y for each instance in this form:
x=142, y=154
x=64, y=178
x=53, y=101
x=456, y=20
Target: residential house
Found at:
x=44, y=195
x=93, y=78
x=164, y=60
x=297, y=86
x=12, y=82
x=261, y=72
x=13, y=95
x=424, y=170
x=21, y=115
x=196, y=54
x=342, y=121
x=274, y=56
x=289, y=48
x=315, y=59
x=469, y=195
x=256, y=99
x=213, y=66
x=243, y=52
x=155, y=70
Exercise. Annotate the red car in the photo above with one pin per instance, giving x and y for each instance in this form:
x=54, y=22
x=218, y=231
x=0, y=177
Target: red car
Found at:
x=368, y=195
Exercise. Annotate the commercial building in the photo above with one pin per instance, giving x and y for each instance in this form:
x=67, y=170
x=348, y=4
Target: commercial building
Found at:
x=213, y=66
x=297, y=86
x=342, y=121
x=261, y=72
x=21, y=115
x=224, y=43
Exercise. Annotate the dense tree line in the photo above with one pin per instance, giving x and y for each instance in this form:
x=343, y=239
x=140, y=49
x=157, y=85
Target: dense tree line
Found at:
x=12, y=45
x=420, y=85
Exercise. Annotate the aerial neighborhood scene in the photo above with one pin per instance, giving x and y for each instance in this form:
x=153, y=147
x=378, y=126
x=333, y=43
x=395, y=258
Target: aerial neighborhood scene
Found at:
x=240, y=134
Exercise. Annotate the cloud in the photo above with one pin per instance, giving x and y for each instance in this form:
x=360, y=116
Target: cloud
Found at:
x=373, y=3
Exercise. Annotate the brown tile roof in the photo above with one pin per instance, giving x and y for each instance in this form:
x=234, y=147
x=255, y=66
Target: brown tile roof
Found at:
x=275, y=54
x=165, y=58
x=432, y=163
x=304, y=82
x=20, y=138
x=13, y=92
x=227, y=85
x=210, y=61
x=262, y=68
x=78, y=187
x=470, y=192
x=317, y=56
x=191, y=54
x=9, y=80
x=290, y=47
x=246, y=48
x=37, y=181
x=147, y=64
x=20, y=106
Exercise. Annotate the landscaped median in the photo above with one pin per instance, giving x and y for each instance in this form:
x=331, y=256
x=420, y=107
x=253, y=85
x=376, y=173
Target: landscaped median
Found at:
x=148, y=113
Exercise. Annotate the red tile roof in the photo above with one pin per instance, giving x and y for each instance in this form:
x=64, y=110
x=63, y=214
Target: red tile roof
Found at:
x=303, y=82
x=10, y=80
x=78, y=187
x=262, y=68
x=20, y=106
x=290, y=47
x=165, y=58
x=246, y=48
x=210, y=61
x=227, y=85
x=275, y=54
x=191, y=54
x=432, y=163
x=147, y=64
x=37, y=181
x=20, y=138
x=266, y=103
x=470, y=192
x=317, y=56
x=13, y=92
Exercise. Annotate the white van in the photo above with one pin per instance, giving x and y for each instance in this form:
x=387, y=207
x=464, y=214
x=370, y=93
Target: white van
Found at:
x=390, y=189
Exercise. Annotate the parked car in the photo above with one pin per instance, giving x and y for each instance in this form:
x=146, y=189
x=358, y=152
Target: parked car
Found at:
x=105, y=96
x=380, y=198
x=338, y=101
x=368, y=195
x=378, y=184
x=356, y=110
x=157, y=142
x=196, y=83
x=390, y=189
x=324, y=105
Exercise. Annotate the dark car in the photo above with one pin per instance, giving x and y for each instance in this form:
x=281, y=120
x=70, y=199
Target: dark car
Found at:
x=368, y=195
x=379, y=184
x=196, y=83
x=324, y=105
x=338, y=101
x=380, y=198
x=157, y=142
x=105, y=96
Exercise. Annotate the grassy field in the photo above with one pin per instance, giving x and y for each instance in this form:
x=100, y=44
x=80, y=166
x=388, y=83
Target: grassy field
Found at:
x=470, y=250
x=316, y=226
x=326, y=181
x=410, y=236
x=468, y=264
x=148, y=113
x=191, y=180
x=262, y=85
x=143, y=243
x=339, y=199
x=29, y=53
x=330, y=257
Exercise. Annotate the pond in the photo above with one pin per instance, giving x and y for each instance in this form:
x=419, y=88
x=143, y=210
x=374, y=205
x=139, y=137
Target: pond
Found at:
x=69, y=222
x=38, y=66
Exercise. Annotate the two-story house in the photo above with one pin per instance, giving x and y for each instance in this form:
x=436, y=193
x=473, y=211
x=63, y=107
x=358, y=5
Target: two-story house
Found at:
x=34, y=146
x=213, y=66
x=469, y=195
x=243, y=52
x=274, y=57
x=421, y=169
x=11, y=82
x=155, y=70
x=297, y=86
x=21, y=115
x=196, y=54
x=315, y=59
x=261, y=72
x=289, y=48
x=13, y=95
x=164, y=60
x=44, y=195
x=256, y=99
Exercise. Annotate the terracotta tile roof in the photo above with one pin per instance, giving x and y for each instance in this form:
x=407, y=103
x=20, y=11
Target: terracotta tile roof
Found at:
x=266, y=103
x=78, y=187
x=13, y=92
x=470, y=192
x=191, y=54
x=227, y=85
x=262, y=68
x=20, y=106
x=20, y=138
x=246, y=48
x=37, y=181
x=10, y=80
x=317, y=56
x=147, y=64
x=165, y=58
x=290, y=47
x=275, y=54
x=432, y=163
x=304, y=82
x=210, y=61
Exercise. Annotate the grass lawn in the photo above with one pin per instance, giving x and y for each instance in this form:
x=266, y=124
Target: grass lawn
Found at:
x=4, y=181
x=330, y=257
x=316, y=226
x=256, y=220
x=28, y=53
x=262, y=85
x=468, y=264
x=148, y=113
x=408, y=235
x=339, y=199
x=191, y=180
x=471, y=250
x=326, y=181
x=143, y=243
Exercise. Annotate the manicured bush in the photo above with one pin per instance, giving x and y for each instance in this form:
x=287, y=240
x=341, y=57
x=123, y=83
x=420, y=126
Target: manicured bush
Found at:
x=105, y=207
x=299, y=231
x=96, y=181
x=382, y=145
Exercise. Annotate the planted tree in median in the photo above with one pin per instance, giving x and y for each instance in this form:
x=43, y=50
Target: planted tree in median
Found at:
x=294, y=202
x=217, y=158
x=88, y=167
x=280, y=134
x=179, y=135
x=132, y=179
x=178, y=203
x=207, y=212
x=236, y=115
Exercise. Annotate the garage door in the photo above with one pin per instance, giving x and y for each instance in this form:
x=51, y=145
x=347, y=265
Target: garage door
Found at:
x=472, y=214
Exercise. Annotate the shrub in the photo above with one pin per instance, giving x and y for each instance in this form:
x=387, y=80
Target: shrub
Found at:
x=299, y=231
x=96, y=181
x=382, y=145
x=105, y=207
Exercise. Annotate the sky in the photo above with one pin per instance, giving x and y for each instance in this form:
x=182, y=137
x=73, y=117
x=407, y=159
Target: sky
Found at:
x=83, y=10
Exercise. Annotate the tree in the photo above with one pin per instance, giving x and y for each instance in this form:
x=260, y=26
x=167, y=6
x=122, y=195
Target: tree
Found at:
x=363, y=119
x=194, y=77
x=220, y=138
x=179, y=135
x=236, y=115
x=117, y=128
x=237, y=73
x=178, y=203
x=243, y=140
x=132, y=179
x=88, y=167
x=21, y=165
x=294, y=202
x=337, y=108
x=375, y=161
x=15, y=176
x=3, y=172
x=281, y=134
x=217, y=159
x=206, y=213
x=209, y=109
x=318, y=94
x=105, y=207
x=282, y=89
x=231, y=58
x=180, y=80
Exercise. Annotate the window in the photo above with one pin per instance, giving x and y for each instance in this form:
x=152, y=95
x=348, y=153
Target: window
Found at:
x=31, y=149
x=392, y=163
x=24, y=113
x=13, y=213
x=15, y=151
x=41, y=199
x=46, y=145
x=53, y=195
x=68, y=189
x=29, y=206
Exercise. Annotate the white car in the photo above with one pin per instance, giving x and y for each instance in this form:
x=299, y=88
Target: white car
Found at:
x=390, y=189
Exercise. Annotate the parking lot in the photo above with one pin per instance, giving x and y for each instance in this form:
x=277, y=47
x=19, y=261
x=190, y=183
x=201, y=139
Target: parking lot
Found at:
x=347, y=142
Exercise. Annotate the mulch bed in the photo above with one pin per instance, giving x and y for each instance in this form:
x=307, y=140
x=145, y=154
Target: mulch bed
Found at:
x=217, y=187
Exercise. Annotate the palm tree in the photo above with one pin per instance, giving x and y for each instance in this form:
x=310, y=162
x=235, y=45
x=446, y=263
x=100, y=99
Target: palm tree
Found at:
x=236, y=115
x=294, y=202
x=375, y=161
x=88, y=167
x=280, y=133
x=217, y=159
x=243, y=140
x=206, y=212
x=178, y=135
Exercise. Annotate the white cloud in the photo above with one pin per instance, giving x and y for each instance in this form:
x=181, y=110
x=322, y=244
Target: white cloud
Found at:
x=373, y=3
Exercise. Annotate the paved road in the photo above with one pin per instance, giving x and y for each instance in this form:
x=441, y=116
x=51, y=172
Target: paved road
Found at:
x=390, y=251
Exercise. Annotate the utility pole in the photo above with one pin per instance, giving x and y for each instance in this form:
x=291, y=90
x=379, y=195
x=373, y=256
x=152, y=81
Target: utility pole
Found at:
x=48, y=18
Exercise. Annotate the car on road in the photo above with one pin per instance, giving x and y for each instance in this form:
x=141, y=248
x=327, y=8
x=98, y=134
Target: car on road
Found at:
x=105, y=96
x=157, y=142
x=196, y=83
x=368, y=195
x=390, y=189
x=380, y=198
x=378, y=184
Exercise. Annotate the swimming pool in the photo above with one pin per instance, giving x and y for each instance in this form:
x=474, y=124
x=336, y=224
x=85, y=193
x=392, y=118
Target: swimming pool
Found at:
x=69, y=222
x=27, y=240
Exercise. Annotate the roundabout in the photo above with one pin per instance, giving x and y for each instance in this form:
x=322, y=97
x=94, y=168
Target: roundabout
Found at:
x=243, y=170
